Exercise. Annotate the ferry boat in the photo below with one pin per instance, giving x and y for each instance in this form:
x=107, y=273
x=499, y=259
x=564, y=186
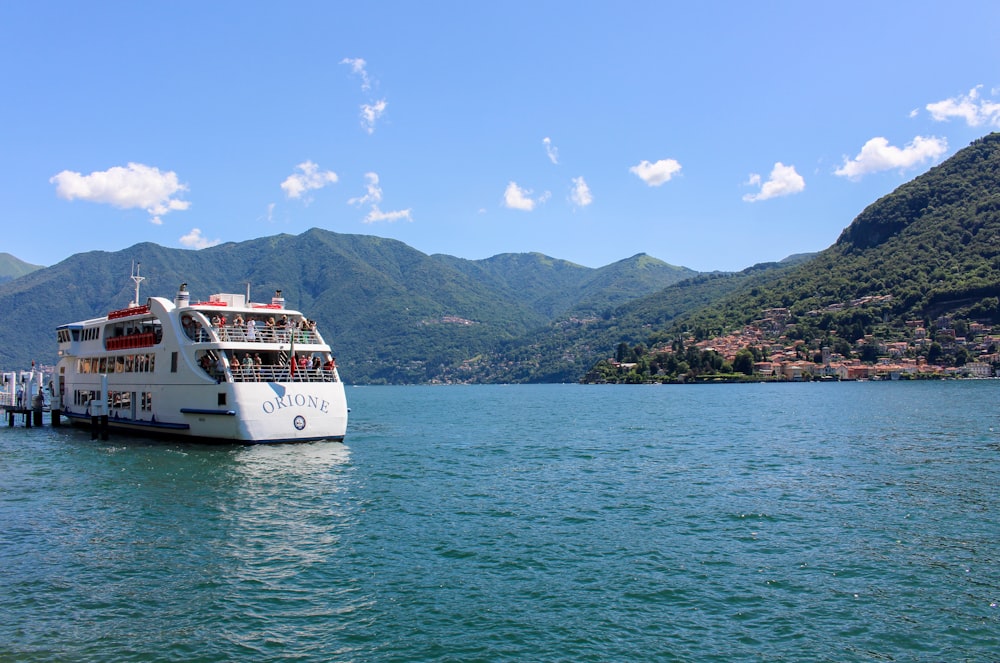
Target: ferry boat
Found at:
x=225, y=369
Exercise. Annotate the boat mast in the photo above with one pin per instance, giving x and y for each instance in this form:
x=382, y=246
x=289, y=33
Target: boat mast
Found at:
x=138, y=279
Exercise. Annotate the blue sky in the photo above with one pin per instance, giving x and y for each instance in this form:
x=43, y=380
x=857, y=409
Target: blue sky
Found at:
x=709, y=135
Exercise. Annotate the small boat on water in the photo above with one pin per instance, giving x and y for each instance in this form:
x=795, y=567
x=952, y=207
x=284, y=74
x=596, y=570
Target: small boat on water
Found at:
x=224, y=369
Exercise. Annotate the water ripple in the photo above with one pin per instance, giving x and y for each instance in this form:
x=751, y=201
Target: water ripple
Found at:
x=549, y=523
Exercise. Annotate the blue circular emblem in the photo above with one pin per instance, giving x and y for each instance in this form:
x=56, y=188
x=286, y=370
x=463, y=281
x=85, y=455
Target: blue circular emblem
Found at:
x=300, y=422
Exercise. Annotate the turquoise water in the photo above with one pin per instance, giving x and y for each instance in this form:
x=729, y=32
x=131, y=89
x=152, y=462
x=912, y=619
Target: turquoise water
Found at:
x=837, y=522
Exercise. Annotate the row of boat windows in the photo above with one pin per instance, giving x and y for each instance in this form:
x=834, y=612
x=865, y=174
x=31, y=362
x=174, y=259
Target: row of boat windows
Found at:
x=111, y=331
x=121, y=400
x=87, y=334
x=134, y=327
x=137, y=363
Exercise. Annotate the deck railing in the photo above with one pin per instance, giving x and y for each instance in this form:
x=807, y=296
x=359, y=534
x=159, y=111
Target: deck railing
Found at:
x=262, y=334
x=277, y=374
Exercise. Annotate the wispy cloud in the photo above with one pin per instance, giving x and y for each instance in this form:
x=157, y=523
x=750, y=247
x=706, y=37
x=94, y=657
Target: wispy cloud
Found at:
x=551, y=150
x=969, y=107
x=655, y=174
x=309, y=178
x=373, y=196
x=783, y=181
x=133, y=186
x=374, y=109
x=877, y=155
x=196, y=240
x=358, y=67
x=580, y=196
x=376, y=215
x=370, y=113
x=373, y=193
x=514, y=197
x=269, y=214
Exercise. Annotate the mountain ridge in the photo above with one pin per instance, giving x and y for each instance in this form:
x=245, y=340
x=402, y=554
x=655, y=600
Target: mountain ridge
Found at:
x=392, y=313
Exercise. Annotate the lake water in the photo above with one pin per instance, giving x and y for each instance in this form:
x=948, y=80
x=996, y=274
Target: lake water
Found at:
x=828, y=522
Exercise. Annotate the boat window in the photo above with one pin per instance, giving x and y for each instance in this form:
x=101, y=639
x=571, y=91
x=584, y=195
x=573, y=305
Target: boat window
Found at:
x=222, y=398
x=173, y=362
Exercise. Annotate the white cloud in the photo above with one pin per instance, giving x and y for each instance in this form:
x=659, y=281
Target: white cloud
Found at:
x=195, y=240
x=550, y=150
x=580, y=196
x=134, y=186
x=358, y=67
x=374, y=194
x=310, y=178
x=514, y=197
x=877, y=155
x=270, y=212
x=374, y=197
x=375, y=215
x=370, y=113
x=655, y=174
x=969, y=107
x=783, y=181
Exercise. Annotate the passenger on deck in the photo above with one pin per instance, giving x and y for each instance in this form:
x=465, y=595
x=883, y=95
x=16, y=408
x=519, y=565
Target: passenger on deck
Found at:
x=251, y=330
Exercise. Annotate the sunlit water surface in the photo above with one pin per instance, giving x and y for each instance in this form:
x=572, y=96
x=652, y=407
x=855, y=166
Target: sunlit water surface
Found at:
x=836, y=522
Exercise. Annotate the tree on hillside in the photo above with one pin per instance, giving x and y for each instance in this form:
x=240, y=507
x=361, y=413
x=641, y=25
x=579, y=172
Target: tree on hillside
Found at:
x=743, y=362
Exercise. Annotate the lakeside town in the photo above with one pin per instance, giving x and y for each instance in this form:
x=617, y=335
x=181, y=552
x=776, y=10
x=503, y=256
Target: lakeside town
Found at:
x=765, y=350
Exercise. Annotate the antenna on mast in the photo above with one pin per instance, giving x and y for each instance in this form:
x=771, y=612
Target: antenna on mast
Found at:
x=138, y=279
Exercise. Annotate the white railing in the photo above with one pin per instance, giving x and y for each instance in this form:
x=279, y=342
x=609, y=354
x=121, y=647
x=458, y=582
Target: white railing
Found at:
x=276, y=374
x=262, y=334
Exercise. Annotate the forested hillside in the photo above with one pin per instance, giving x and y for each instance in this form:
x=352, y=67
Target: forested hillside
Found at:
x=392, y=313
x=930, y=248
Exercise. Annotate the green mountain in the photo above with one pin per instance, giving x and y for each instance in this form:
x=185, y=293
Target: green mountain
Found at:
x=393, y=314
x=12, y=268
x=929, y=251
x=931, y=248
x=553, y=287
